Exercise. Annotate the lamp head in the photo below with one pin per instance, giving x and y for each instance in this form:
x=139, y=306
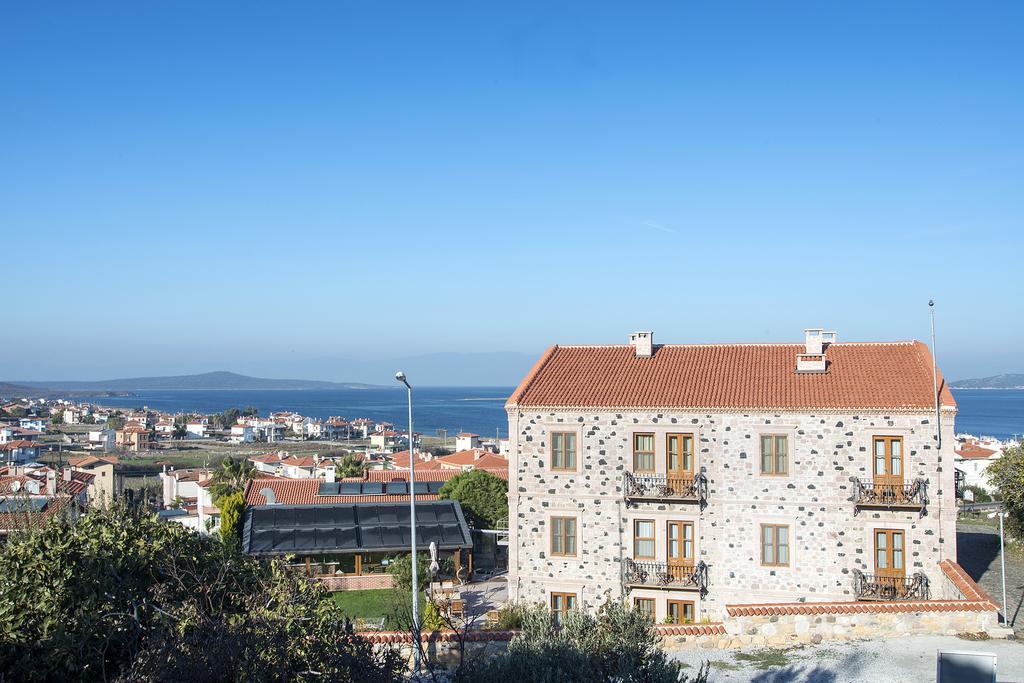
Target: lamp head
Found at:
x=400, y=376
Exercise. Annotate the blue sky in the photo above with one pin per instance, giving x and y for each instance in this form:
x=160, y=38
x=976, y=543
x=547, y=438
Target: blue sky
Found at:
x=197, y=186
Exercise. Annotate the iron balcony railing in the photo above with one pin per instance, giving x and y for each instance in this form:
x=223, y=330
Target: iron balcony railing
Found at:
x=883, y=494
x=662, y=575
x=659, y=486
x=874, y=587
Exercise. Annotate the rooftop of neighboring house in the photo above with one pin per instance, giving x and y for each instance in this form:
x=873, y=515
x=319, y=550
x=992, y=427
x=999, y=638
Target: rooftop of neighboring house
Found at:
x=400, y=460
x=93, y=460
x=477, y=457
x=466, y=434
x=18, y=443
x=972, y=451
x=851, y=375
x=195, y=474
x=313, y=491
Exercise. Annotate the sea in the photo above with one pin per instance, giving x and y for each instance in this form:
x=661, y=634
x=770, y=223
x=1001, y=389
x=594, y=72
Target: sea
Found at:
x=983, y=412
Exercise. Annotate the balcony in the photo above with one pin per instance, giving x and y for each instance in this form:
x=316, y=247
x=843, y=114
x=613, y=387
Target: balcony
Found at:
x=661, y=488
x=889, y=588
x=913, y=496
x=662, y=575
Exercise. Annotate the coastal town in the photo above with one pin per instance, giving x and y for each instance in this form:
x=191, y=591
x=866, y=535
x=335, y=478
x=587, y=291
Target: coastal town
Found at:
x=630, y=487
x=661, y=342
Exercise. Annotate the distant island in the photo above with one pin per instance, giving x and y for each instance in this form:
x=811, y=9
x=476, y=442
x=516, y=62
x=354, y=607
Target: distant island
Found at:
x=1006, y=381
x=207, y=381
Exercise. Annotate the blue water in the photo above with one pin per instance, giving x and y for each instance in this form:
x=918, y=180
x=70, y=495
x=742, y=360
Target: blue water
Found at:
x=990, y=412
x=983, y=412
x=473, y=409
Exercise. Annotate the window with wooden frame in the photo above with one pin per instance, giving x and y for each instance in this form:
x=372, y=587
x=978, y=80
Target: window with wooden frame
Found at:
x=888, y=459
x=643, y=539
x=775, y=545
x=645, y=606
x=563, y=536
x=563, y=451
x=562, y=604
x=643, y=452
x=680, y=611
x=774, y=454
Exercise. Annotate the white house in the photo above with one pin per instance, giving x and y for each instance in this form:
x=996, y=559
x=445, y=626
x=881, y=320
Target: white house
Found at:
x=36, y=423
x=102, y=439
x=196, y=428
x=467, y=441
x=241, y=433
x=973, y=458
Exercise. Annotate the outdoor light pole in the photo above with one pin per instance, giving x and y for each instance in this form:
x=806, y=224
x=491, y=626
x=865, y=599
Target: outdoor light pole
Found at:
x=400, y=376
x=1002, y=558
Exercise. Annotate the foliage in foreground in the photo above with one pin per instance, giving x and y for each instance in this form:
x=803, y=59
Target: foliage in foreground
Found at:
x=483, y=496
x=120, y=596
x=1006, y=475
x=616, y=644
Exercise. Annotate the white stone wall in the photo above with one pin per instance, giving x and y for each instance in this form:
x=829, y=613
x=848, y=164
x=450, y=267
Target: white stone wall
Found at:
x=827, y=541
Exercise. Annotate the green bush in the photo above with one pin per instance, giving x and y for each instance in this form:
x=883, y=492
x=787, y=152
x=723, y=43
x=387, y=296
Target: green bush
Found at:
x=120, y=596
x=616, y=644
x=483, y=497
x=400, y=568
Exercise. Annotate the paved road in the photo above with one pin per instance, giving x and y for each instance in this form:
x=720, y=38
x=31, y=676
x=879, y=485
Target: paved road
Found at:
x=978, y=553
x=903, y=660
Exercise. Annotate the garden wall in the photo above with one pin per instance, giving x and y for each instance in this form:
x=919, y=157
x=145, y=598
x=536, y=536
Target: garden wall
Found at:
x=352, y=583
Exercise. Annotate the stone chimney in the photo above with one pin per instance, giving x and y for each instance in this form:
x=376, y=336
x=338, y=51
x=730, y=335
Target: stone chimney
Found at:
x=816, y=341
x=642, y=343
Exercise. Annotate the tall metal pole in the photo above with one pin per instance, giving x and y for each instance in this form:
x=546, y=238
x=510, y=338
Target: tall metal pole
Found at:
x=400, y=376
x=935, y=376
x=1002, y=563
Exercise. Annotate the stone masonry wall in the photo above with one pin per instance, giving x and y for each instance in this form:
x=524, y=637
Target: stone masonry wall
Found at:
x=827, y=540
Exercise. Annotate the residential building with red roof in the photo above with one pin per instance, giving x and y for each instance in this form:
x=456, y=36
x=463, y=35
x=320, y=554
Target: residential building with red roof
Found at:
x=467, y=441
x=972, y=458
x=692, y=476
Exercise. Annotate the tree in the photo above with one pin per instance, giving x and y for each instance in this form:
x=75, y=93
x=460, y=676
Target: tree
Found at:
x=1006, y=475
x=483, y=496
x=180, y=431
x=56, y=417
x=232, y=507
x=118, y=595
x=400, y=569
x=115, y=421
x=616, y=644
x=232, y=477
x=250, y=411
x=351, y=466
x=227, y=418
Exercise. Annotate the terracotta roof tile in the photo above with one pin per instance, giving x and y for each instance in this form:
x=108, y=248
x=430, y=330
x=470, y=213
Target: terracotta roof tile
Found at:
x=890, y=376
x=972, y=451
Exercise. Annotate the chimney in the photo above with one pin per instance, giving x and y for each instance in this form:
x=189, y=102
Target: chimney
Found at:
x=329, y=474
x=268, y=493
x=643, y=343
x=816, y=341
x=51, y=483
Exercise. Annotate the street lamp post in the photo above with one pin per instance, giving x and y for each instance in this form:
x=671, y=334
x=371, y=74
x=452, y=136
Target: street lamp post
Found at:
x=1002, y=558
x=400, y=376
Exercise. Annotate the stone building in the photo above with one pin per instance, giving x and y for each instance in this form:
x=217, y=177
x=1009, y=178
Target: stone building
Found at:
x=692, y=477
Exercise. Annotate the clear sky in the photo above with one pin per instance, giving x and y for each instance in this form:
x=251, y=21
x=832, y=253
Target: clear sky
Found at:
x=190, y=186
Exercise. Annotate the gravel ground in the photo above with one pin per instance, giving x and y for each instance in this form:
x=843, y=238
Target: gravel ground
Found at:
x=904, y=660
x=978, y=553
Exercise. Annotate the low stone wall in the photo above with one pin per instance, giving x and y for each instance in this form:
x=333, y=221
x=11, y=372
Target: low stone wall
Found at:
x=780, y=624
x=793, y=623
x=352, y=583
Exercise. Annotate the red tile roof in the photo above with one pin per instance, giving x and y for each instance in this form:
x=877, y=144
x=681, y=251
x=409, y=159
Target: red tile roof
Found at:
x=972, y=451
x=975, y=599
x=888, y=376
x=18, y=443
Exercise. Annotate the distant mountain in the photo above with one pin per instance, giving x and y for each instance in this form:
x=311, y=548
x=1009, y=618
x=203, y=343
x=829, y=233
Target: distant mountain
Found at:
x=203, y=382
x=1007, y=381
x=20, y=390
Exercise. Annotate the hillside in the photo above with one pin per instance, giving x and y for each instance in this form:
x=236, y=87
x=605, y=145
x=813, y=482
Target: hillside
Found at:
x=203, y=382
x=1006, y=381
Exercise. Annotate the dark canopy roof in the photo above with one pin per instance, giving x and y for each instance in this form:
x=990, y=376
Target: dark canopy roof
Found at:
x=352, y=527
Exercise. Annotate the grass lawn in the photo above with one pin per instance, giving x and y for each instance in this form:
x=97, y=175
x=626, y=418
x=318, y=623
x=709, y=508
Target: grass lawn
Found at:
x=373, y=604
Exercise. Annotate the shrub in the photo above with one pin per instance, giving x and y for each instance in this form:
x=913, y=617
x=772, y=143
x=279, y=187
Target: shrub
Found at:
x=616, y=644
